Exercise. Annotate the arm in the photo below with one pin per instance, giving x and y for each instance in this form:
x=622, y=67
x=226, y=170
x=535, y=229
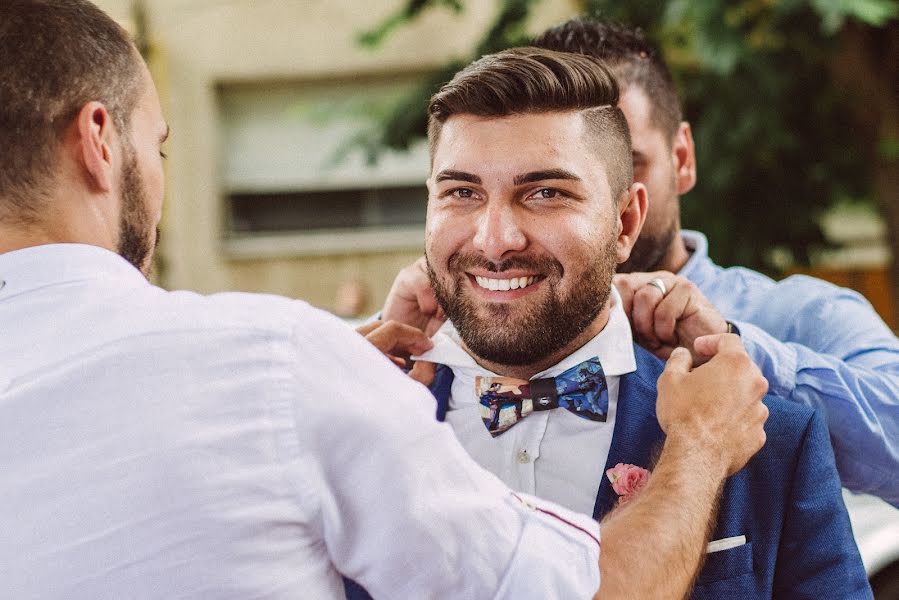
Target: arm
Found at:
x=817, y=557
x=834, y=354
x=856, y=391
x=403, y=509
x=400, y=507
x=662, y=534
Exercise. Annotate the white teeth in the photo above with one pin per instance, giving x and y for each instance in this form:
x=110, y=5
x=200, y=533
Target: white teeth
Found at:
x=504, y=284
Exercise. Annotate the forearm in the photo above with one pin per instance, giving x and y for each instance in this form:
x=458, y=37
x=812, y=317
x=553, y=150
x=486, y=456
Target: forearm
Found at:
x=652, y=546
x=857, y=397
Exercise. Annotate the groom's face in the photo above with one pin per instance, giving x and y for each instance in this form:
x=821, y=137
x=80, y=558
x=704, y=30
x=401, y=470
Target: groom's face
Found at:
x=521, y=232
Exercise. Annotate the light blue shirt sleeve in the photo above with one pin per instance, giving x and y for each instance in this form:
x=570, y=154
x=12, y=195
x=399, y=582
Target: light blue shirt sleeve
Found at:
x=823, y=346
x=859, y=403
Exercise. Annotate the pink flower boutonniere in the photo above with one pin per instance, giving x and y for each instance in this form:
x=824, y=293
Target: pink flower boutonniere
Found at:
x=627, y=480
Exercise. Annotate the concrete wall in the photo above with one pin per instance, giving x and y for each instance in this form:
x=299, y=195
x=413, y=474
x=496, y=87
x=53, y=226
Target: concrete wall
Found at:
x=196, y=45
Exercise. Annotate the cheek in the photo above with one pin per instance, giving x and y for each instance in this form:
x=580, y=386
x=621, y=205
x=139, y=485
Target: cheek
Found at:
x=572, y=246
x=444, y=235
x=154, y=182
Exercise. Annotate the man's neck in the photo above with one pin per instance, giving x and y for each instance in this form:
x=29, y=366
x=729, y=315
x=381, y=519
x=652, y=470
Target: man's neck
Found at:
x=13, y=237
x=676, y=256
x=528, y=371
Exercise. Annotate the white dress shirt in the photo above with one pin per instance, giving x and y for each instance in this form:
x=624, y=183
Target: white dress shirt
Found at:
x=169, y=445
x=552, y=454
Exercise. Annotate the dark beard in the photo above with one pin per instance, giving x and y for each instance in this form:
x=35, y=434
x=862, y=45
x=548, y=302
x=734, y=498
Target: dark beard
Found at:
x=136, y=243
x=494, y=333
x=649, y=252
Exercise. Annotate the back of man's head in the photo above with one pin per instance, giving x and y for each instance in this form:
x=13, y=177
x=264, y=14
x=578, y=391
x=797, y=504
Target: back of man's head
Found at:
x=633, y=58
x=57, y=55
x=534, y=80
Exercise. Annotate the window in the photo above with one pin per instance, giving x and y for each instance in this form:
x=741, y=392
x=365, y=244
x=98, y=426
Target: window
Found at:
x=292, y=165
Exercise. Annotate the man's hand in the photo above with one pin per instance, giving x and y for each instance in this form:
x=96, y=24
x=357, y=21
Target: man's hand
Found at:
x=398, y=341
x=663, y=322
x=716, y=406
x=412, y=301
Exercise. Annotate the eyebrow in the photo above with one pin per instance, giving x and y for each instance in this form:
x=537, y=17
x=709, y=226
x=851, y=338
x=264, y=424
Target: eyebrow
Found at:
x=535, y=176
x=457, y=176
x=532, y=177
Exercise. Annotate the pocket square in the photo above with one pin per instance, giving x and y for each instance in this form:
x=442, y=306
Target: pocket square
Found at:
x=725, y=544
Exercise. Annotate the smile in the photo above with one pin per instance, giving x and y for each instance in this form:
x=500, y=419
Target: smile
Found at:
x=515, y=283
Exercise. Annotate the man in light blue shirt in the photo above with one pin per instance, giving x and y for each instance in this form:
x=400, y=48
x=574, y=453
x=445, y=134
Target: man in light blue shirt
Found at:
x=816, y=343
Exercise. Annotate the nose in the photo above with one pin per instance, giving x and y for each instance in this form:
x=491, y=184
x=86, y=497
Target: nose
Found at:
x=499, y=232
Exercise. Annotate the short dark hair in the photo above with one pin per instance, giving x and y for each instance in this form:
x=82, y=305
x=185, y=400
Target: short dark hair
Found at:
x=58, y=55
x=634, y=59
x=533, y=80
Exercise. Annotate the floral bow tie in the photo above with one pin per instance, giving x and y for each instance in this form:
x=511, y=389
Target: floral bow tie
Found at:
x=581, y=389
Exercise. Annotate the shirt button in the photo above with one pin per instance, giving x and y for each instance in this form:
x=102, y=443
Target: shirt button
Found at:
x=523, y=457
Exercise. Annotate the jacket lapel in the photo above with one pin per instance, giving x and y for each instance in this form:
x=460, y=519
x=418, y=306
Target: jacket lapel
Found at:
x=637, y=437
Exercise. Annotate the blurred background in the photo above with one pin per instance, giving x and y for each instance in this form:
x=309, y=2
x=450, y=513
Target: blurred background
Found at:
x=298, y=159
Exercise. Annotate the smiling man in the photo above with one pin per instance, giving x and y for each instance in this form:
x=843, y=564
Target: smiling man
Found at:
x=531, y=207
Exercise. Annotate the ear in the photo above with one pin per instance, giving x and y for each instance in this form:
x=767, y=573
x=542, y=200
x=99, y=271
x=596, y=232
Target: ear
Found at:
x=632, y=208
x=95, y=136
x=684, y=156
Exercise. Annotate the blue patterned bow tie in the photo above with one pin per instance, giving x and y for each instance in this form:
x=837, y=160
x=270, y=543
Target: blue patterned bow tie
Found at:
x=581, y=389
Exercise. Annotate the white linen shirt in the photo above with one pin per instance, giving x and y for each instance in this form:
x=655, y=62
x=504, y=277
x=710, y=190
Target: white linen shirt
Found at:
x=162, y=444
x=552, y=454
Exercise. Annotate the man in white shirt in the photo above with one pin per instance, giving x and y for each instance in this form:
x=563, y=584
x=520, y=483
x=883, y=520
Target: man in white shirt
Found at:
x=162, y=444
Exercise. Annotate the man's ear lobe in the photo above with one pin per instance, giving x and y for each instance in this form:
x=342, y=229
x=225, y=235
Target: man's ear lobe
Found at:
x=685, y=158
x=95, y=133
x=632, y=209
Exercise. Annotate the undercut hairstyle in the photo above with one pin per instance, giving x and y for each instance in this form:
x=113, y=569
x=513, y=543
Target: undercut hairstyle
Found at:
x=57, y=55
x=534, y=80
x=634, y=59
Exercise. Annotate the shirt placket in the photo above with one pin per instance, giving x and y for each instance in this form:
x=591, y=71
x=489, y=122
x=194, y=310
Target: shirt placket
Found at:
x=528, y=451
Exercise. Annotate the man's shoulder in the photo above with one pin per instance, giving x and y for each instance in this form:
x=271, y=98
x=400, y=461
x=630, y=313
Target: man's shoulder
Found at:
x=232, y=310
x=796, y=289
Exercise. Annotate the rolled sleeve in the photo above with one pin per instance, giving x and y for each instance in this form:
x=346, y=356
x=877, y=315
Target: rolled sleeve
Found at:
x=554, y=540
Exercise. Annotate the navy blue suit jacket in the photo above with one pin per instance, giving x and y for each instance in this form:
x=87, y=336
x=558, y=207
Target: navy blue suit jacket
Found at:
x=787, y=501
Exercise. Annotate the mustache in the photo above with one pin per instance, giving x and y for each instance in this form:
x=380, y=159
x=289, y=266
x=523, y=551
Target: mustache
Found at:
x=539, y=264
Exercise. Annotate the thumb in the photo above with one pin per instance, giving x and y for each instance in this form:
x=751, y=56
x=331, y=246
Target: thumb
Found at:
x=710, y=345
x=680, y=361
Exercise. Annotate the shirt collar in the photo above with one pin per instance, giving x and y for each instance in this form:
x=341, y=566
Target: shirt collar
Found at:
x=697, y=266
x=39, y=266
x=613, y=345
